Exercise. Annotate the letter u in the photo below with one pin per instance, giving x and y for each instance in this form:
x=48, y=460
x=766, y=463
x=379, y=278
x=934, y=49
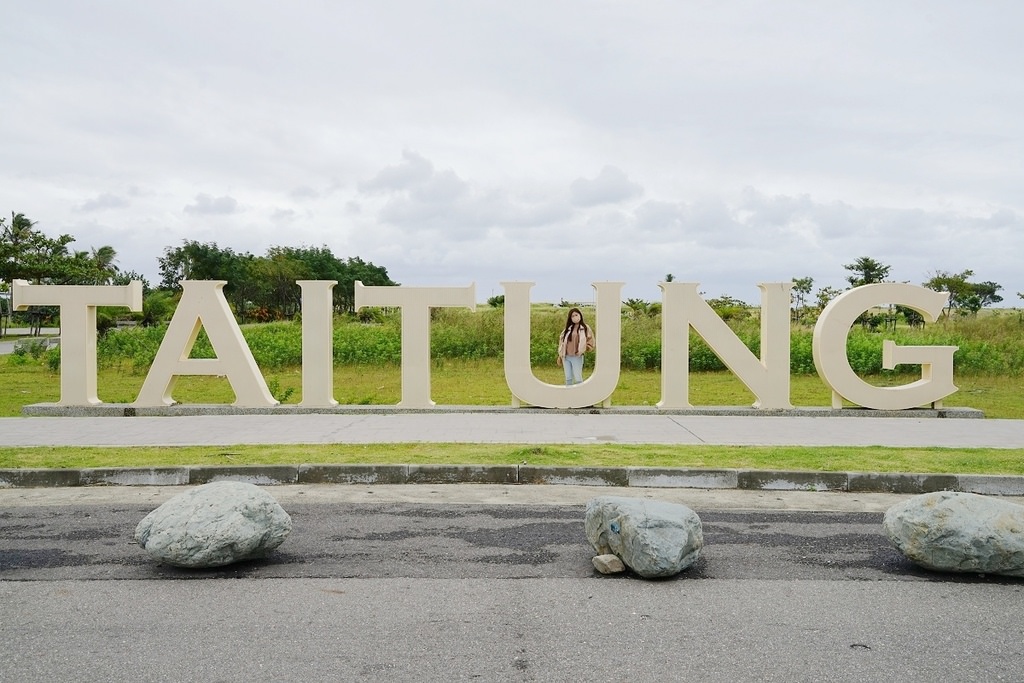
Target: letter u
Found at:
x=596, y=389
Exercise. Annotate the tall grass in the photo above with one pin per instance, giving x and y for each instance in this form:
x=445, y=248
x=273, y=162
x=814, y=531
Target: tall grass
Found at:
x=988, y=345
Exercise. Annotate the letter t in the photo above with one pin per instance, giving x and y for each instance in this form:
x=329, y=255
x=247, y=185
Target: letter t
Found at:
x=77, y=329
x=416, y=303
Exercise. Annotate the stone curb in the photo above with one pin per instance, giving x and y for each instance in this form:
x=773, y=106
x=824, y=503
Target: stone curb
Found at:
x=192, y=410
x=637, y=477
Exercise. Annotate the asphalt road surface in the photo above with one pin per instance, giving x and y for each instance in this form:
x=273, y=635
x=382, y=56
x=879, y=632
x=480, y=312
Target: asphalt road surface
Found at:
x=407, y=591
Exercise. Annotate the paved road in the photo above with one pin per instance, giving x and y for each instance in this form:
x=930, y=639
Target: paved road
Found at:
x=456, y=629
x=494, y=583
x=414, y=583
x=510, y=427
x=429, y=532
x=12, y=336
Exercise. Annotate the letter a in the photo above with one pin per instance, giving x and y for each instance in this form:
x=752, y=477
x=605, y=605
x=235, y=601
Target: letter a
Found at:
x=203, y=305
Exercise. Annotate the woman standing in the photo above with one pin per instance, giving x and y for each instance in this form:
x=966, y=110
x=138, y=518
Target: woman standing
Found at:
x=572, y=344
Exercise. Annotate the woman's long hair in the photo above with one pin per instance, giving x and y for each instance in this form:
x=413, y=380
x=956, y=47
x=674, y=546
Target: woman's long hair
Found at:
x=568, y=323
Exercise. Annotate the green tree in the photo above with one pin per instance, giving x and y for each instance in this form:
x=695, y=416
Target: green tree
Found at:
x=158, y=307
x=104, y=263
x=321, y=264
x=122, y=278
x=199, y=261
x=825, y=296
x=729, y=308
x=364, y=271
x=94, y=267
x=263, y=288
x=28, y=254
x=910, y=316
x=274, y=277
x=636, y=308
x=986, y=291
x=866, y=271
x=964, y=296
x=801, y=290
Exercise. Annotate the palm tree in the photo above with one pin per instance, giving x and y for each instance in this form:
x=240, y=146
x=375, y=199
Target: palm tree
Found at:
x=14, y=239
x=103, y=263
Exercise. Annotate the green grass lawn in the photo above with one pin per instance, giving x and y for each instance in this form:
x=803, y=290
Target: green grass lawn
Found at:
x=479, y=382
x=482, y=383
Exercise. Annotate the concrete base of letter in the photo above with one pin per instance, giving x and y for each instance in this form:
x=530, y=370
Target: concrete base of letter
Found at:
x=214, y=525
x=653, y=538
x=959, y=532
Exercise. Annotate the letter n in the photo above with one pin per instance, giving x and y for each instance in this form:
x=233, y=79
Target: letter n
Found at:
x=767, y=377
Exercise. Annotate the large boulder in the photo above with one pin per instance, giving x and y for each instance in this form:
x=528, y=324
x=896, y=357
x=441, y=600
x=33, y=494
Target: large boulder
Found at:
x=213, y=525
x=959, y=532
x=653, y=538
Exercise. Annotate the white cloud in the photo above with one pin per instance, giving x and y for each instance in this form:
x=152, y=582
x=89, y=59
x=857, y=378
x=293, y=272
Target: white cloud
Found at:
x=728, y=144
x=284, y=215
x=206, y=204
x=611, y=186
x=304, y=192
x=102, y=202
x=412, y=173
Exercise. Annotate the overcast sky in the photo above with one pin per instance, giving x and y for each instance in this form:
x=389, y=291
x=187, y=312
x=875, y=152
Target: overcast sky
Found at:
x=726, y=143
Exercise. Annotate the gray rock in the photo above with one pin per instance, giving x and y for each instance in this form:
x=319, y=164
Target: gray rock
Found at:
x=608, y=564
x=653, y=538
x=959, y=532
x=213, y=525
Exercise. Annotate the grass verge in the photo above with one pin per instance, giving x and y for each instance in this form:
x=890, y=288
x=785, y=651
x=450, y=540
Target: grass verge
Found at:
x=831, y=459
x=481, y=382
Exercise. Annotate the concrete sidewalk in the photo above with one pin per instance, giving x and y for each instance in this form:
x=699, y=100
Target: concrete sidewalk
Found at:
x=511, y=426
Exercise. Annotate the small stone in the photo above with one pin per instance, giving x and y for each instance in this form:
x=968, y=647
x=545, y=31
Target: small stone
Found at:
x=959, y=532
x=608, y=564
x=653, y=538
x=213, y=525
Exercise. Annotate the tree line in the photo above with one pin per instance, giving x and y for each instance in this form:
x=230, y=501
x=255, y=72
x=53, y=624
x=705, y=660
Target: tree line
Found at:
x=262, y=288
x=259, y=288
x=965, y=297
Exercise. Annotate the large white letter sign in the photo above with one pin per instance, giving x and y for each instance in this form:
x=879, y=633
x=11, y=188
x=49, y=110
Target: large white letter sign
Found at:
x=416, y=303
x=767, y=378
x=597, y=388
x=77, y=329
x=833, y=365
x=203, y=305
x=317, y=343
